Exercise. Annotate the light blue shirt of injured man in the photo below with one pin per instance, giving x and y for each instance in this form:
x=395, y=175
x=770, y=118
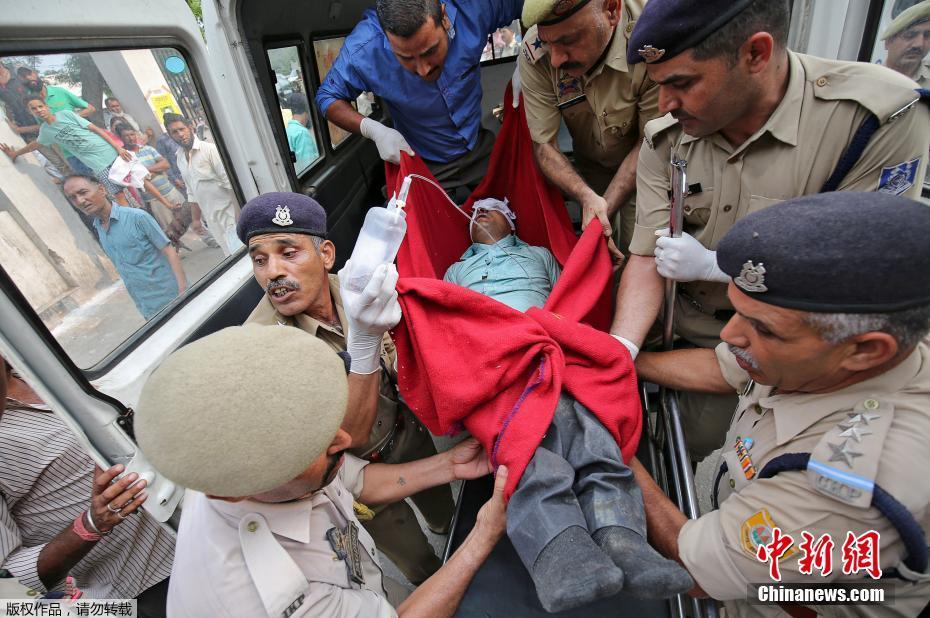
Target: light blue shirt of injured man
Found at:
x=510, y=271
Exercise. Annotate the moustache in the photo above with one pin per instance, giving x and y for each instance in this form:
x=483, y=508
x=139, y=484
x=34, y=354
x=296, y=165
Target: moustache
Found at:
x=290, y=284
x=744, y=356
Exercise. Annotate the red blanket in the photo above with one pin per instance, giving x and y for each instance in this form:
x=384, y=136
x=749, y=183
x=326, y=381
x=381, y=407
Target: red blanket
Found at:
x=468, y=361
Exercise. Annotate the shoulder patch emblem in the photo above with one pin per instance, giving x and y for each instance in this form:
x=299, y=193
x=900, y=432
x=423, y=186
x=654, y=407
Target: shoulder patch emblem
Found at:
x=896, y=179
x=757, y=530
x=533, y=48
x=569, y=86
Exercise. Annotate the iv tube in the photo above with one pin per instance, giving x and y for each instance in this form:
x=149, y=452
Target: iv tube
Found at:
x=402, y=202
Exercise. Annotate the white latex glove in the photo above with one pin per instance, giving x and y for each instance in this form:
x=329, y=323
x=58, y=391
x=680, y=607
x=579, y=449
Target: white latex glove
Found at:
x=370, y=314
x=632, y=347
x=389, y=141
x=515, y=84
x=685, y=259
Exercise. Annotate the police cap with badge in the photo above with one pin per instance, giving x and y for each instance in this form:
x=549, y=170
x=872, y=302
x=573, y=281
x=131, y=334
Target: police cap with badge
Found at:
x=816, y=254
x=666, y=28
x=811, y=253
x=277, y=213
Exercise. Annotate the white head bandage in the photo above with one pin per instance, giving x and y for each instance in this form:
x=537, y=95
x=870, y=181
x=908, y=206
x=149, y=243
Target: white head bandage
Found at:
x=491, y=203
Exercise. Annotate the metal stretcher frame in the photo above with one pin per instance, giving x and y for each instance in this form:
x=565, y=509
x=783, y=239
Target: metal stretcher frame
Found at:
x=666, y=445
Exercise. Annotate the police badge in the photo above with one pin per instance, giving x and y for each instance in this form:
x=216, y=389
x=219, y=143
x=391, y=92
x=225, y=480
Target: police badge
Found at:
x=282, y=216
x=650, y=53
x=752, y=277
x=345, y=545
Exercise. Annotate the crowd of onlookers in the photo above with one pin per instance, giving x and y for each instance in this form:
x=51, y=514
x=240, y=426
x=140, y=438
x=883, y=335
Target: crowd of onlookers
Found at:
x=174, y=180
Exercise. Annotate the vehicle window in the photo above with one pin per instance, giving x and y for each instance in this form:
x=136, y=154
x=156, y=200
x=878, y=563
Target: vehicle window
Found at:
x=903, y=44
x=326, y=51
x=100, y=255
x=503, y=42
x=295, y=108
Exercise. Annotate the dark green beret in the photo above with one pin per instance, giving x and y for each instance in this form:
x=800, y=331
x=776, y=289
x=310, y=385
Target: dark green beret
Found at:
x=549, y=12
x=243, y=410
x=838, y=252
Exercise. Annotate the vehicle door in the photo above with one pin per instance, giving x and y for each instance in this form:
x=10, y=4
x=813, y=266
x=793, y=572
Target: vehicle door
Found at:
x=86, y=310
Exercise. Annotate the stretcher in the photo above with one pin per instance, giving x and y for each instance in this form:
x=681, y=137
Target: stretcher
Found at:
x=437, y=237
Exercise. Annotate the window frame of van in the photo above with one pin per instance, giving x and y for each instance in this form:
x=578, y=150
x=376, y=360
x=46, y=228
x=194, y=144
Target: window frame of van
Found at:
x=318, y=132
x=113, y=357
x=324, y=35
x=502, y=59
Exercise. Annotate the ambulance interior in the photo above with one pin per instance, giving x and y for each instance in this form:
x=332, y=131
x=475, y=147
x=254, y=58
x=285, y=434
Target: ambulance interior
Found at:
x=67, y=322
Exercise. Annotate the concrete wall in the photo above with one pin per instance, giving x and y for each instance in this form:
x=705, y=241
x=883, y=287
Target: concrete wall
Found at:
x=132, y=75
x=44, y=245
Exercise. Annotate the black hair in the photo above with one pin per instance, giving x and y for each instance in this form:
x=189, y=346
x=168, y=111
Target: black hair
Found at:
x=170, y=118
x=772, y=16
x=119, y=127
x=107, y=100
x=404, y=17
x=22, y=71
x=297, y=103
x=91, y=179
x=33, y=97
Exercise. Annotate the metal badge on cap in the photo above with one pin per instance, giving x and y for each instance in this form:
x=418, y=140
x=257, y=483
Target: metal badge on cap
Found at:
x=282, y=216
x=752, y=277
x=650, y=53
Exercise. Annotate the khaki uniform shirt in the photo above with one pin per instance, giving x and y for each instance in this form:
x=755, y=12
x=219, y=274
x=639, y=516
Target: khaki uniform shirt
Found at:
x=923, y=75
x=608, y=123
x=888, y=445
x=793, y=154
x=334, y=336
x=212, y=574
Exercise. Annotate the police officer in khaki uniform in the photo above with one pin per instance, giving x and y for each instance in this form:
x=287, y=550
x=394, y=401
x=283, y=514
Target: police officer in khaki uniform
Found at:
x=268, y=526
x=573, y=67
x=757, y=124
x=285, y=234
x=829, y=348
x=907, y=41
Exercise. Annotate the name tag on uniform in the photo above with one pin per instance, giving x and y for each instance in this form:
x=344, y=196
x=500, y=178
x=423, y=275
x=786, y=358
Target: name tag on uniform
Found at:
x=572, y=101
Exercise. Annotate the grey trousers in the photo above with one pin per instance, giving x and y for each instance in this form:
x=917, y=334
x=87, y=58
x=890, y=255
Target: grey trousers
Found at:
x=576, y=478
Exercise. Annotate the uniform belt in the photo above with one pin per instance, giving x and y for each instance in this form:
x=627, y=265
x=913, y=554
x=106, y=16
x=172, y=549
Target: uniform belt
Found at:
x=723, y=315
x=388, y=446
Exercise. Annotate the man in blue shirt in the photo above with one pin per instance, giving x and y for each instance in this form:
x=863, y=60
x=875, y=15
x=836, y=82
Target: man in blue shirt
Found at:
x=421, y=57
x=147, y=263
x=300, y=139
x=500, y=265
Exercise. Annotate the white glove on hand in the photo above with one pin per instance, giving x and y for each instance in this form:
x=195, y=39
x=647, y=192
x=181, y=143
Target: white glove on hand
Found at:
x=632, y=347
x=389, y=141
x=515, y=85
x=685, y=259
x=370, y=314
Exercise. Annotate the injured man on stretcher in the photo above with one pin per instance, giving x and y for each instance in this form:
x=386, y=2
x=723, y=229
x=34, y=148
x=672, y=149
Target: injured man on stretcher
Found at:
x=576, y=518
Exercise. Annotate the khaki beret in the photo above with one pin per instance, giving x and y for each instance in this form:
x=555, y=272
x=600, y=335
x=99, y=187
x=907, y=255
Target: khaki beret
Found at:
x=549, y=12
x=917, y=13
x=243, y=410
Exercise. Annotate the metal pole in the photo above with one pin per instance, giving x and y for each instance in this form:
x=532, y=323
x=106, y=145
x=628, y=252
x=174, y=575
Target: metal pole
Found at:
x=675, y=222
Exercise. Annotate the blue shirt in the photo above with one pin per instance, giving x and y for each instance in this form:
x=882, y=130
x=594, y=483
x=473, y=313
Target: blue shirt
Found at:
x=440, y=120
x=302, y=144
x=510, y=271
x=134, y=244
